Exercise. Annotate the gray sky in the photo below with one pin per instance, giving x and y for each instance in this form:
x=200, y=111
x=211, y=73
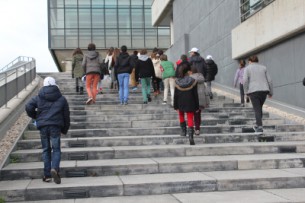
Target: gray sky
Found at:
x=24, y=32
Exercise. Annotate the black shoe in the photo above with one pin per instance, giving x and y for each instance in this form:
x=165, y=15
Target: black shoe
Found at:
x=148, y=98
x=145, y=102
x=46, y=179
x=55, y=176
x=247, y=100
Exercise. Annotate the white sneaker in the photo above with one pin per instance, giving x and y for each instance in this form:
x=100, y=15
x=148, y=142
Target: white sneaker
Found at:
x=164, y=102
x=89, y=101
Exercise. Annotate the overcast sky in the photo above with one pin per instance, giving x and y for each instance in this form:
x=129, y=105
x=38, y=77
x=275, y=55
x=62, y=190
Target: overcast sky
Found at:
x=24, y=32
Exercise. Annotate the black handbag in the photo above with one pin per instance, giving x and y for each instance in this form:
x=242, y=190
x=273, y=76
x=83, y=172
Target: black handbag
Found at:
x=104, y=68
x=304, y=81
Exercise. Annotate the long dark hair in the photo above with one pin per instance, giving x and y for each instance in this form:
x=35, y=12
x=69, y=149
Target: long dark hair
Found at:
x=184, y=67
x=77, y=51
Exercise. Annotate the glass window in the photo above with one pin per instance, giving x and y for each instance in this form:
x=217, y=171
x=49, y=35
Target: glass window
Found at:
x=124, y=3
x=163, y=37
x=84, y=4
x=148, y=21
x=138, y=38
x=57, y=18
x=151, y=38
x=71, y=38
x=137, y=3
x=125, y=37
x=98, y=18
x=57, y=4
x=112, y=38
x=84, y=38
x=98, y=37
x=111, y=18
x=97, y=3
x=124, y=18
x=57, y=38
x=71, y=3
x=147, y=3
x=137, y=18
x=84, y=18
x=71, y=18
x=110, y=4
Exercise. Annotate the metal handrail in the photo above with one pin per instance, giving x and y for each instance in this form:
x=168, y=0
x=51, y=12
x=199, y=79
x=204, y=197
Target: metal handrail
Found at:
x=15, y=77
x=15, y=61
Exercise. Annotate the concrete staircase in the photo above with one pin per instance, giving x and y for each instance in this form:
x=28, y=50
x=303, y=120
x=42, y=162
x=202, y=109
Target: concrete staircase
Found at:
x=117, y=153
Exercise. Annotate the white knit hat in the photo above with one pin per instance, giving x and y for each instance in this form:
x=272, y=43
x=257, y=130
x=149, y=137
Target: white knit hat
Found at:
x=209, y=57
x=194, y=49
x=49, y=81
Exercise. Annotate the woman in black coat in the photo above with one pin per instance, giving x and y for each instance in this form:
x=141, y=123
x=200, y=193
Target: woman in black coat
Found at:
x=186, y=100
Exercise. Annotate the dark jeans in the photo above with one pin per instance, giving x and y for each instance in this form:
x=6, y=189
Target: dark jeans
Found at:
x=50, y=141
x=242, y=93
x=258, y=99
x=197, y=118
x=157, y=84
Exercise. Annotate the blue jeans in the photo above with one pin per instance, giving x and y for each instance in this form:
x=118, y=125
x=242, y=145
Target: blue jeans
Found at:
x=124, y=87
x=50, y=141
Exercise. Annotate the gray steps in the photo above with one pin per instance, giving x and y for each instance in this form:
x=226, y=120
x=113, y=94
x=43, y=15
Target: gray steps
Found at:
x=124, y=165
x=153, y=184
x=136, y=150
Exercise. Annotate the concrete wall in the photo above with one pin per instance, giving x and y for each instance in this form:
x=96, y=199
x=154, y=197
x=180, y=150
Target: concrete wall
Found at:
x=211, y=33
x=206, y=25
x=279, y=20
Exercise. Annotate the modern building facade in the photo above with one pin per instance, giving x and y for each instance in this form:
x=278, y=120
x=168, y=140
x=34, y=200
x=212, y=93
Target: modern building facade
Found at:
x=107, y=23
x=235, y=29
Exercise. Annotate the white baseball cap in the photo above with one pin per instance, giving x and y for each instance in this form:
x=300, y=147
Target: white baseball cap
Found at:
x=194, y=49
x=49, y=81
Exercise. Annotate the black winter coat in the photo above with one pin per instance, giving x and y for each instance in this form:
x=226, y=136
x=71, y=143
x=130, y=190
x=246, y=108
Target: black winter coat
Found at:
x=49, y=108
x=123, y=64
x=212, y=70
x=199, y=62
x=186, y=95
x=145, y=69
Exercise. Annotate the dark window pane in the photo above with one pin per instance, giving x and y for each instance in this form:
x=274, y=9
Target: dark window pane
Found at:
x=57, y=4
x=98, y=18
x=148, y=23
x=84, y=3
x=137, y=18
x=110, y=4
x=71, y=38
x=111, y=38
x=111, y=18
x=138, y=38
x=57, y=38
x=124, y=18
x=71, y=18
x=71, y=3
x=97, y=3
x=57, y=18
x=99, y=38
x=151, y=38
x=84, y=18
x=84, y=38
x=125, y=37
x=163, y=37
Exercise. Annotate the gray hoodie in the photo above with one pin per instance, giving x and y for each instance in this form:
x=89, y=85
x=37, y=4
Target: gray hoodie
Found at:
x=92, y=62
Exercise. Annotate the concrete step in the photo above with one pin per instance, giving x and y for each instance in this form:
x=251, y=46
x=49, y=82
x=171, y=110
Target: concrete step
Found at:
x=138, y=122
x=295, y=195
x=167, y=164
x=175, y=130
x=153, y=184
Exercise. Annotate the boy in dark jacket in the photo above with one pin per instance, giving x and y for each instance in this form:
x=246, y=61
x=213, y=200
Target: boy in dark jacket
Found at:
x=186, y=100
x=212, y=70
x=51, y=112
x=122, y=69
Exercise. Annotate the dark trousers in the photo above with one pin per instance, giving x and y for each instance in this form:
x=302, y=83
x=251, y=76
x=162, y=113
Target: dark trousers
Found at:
x=258, y=99
x=197, y=118
x=157, y=84
x=242, y=93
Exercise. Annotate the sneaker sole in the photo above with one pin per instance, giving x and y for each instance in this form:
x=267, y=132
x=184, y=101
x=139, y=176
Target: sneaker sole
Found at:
x=55, y=176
